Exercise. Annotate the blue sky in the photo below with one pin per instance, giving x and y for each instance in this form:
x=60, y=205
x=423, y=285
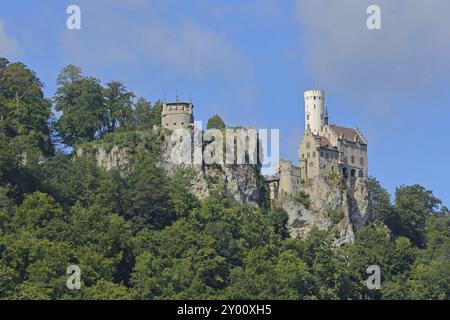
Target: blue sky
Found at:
x=250, y=62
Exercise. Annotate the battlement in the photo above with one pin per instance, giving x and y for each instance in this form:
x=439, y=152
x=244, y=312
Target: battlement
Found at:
x=317, y=93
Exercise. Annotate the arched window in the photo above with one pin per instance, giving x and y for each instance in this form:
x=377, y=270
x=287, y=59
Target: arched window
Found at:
x=353, y=173
x=361, y=174
x=344, y=172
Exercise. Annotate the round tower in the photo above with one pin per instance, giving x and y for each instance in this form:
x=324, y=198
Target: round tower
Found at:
x=316, y=114
x=177, y=115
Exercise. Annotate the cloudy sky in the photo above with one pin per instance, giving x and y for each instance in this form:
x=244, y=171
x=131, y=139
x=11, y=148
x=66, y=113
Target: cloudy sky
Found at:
x=250, y=62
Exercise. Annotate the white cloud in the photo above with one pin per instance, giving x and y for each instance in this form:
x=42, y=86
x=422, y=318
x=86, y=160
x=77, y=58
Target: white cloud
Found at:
x=8, y=46
x=152, y=35
x=409, y=55
x=139, y=33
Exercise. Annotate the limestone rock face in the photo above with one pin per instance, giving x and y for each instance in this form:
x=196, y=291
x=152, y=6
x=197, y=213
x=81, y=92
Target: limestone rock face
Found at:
x=108, y=159
x=242, y=182
x=344, y=207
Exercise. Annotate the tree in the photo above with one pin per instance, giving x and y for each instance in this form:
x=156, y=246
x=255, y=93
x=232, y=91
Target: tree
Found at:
x=145, y=116
x=146, y=199
x=80, y=99
x=215, y=122
x=107, y=290
x=119, y=105
x=24, y=110
x=413, y=206
x=380, y=202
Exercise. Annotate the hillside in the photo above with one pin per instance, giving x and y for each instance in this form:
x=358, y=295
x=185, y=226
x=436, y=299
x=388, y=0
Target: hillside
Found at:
x=92, y=188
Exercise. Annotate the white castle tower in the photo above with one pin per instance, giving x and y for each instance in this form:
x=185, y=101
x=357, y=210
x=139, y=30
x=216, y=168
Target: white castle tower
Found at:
x=316, y=114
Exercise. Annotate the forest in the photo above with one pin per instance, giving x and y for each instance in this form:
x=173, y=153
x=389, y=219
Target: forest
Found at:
x=140, y=233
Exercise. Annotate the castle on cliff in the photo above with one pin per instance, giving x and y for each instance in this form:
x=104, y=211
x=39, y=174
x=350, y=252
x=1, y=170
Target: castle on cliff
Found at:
x=324, y=149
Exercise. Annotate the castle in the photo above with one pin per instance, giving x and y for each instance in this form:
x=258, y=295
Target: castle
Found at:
x=323, y=149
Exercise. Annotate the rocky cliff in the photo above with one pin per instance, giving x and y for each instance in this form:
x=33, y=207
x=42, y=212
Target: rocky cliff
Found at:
x=243, y=182
x=342, y=206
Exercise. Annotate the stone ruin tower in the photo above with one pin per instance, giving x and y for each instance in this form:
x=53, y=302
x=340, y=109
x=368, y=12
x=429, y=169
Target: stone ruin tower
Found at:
x=177, y=114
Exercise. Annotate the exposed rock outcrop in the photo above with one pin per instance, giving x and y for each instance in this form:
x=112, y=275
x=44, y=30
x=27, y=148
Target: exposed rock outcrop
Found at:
x=342, y=206
x=337, y=205
x=242, y=182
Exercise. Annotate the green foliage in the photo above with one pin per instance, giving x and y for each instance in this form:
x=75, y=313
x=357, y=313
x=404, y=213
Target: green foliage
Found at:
x=145, y=115
x=118, y=105
x=23, y=109
x=336, y=215
x=215, y=122
x=413, y=206
x=380, y=202
x=303, y=198
x=333, y=178
x=81, y=101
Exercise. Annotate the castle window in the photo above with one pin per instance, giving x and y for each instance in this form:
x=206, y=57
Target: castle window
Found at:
x=344, y=172
x=353, y=159
x=361, y=161
x=361, y=174
x=307, y=116
x=353, y=173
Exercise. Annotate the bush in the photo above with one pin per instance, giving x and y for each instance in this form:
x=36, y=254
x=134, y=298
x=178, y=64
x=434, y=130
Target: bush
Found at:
x=303, y=198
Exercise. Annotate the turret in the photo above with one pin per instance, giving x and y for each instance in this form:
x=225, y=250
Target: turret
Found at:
x=316, y=115
x=177, y=115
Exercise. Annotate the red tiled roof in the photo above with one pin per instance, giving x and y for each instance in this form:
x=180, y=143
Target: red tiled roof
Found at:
x=348, y=134
x=324, y=142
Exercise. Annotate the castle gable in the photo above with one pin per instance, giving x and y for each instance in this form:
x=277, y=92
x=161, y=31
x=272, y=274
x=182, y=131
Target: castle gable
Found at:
x=349, y=134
